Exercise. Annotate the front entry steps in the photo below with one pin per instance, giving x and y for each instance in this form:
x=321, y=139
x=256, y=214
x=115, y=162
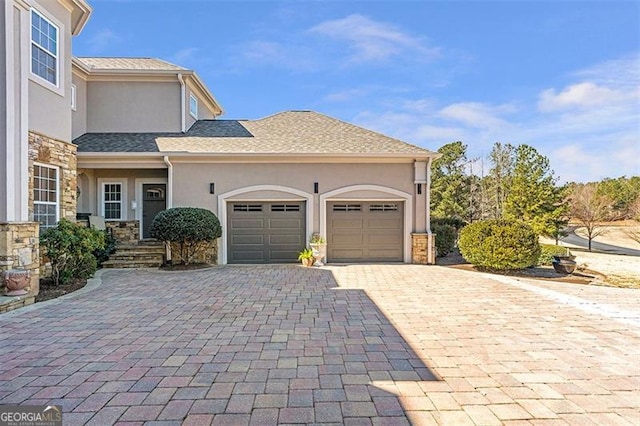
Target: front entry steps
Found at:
x=145, y=254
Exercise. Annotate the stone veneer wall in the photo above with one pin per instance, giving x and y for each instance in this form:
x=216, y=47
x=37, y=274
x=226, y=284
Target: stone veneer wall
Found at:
x=45, y=150
x=420, y=253
x=19, y=249
x=125, y=231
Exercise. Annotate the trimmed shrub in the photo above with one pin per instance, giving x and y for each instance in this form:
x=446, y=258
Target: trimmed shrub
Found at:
x=547, y=251
x=445, y=239
x=499, y=244
x=110, y=244
x=191, y=228
x=70, y=247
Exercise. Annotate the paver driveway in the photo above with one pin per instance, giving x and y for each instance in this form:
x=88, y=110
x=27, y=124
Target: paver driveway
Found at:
x=367, y=344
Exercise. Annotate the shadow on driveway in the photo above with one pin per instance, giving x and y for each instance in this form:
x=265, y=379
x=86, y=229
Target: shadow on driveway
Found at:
x=260, y=344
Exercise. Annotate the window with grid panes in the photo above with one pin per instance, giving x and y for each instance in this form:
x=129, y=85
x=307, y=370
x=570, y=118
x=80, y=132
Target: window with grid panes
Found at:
x=45, y=195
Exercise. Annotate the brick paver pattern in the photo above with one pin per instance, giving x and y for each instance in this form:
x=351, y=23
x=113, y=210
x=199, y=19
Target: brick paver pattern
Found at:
x=359, y=344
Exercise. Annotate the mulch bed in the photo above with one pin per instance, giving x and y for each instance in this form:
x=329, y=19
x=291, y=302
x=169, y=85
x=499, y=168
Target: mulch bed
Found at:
x=547, y=273
x=48, y=290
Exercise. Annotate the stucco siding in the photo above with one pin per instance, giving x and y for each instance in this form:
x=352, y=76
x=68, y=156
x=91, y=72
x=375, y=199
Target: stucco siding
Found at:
x=133, y=106
x=191, y=181
x=50, y=106
x=79, y=116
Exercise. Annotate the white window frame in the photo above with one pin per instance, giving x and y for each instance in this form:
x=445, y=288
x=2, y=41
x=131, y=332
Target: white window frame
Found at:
x=47, y=203
x=123, y=198
x=74, y=91
x=193, y=106
x=37, y=77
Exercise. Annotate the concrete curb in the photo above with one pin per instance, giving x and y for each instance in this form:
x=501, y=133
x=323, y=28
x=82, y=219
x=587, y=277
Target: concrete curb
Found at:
x=92, y=284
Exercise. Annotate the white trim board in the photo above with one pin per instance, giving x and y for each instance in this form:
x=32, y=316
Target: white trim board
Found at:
x=223, y=199
x=398, y=196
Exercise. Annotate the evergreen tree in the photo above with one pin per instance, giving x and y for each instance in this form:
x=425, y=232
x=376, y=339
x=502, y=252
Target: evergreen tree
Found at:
x=497, y=183
x=533, y=196
x=449, y=184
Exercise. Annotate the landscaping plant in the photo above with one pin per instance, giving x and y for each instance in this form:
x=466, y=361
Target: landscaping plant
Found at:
x=192, y=229
x=445, y=238
x=499, y=244
x=69, y=247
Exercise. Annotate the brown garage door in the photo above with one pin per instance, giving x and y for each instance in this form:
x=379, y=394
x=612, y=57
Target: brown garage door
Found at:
x=365, y=231
x=261, y=232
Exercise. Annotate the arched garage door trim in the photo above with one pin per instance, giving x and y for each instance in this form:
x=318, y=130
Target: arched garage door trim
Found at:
x=223, y=199
x=397, y=196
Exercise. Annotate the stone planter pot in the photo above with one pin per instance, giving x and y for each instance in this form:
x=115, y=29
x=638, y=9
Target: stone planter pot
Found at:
x=319, y=252
x=564, y=264
x=16, y=281
x=308, y=261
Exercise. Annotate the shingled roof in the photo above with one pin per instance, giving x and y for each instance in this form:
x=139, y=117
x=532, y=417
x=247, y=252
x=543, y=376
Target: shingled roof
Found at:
x=291, y=132
x=128, y=64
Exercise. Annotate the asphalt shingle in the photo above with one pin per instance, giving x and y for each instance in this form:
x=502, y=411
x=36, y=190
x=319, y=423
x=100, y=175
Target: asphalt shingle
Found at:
x=289, y=132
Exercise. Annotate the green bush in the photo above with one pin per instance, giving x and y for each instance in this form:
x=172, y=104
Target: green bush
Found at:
x=191, y=228
x=499, y=244
x=456, y=222
x=69, y=247
x=547, y=251
x=445, y=239
x=102, y=254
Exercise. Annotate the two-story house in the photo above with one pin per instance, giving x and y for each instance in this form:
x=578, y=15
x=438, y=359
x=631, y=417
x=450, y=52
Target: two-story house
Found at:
x=124, y=138
x=37, y=156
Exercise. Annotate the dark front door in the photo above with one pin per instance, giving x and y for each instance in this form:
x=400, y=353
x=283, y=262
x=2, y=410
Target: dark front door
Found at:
x=153, y=202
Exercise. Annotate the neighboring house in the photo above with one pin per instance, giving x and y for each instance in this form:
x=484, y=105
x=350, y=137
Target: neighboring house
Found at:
x=125, y=138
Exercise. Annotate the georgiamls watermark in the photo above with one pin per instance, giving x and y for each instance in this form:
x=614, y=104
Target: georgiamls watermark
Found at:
x=30, y=415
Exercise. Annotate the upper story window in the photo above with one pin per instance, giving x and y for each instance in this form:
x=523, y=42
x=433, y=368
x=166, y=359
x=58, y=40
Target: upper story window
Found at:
x=193, y=106
x=44, y=48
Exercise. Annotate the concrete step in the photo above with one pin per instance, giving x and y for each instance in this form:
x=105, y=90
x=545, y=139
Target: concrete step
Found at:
x=132, y=263
x=136, y=255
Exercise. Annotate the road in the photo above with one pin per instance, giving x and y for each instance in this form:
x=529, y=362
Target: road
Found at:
x=598, y=247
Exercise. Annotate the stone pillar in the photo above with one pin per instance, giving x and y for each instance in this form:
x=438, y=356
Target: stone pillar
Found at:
x=19, y=248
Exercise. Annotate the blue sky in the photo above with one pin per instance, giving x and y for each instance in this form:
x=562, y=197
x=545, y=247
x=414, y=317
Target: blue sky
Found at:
x=562, y=76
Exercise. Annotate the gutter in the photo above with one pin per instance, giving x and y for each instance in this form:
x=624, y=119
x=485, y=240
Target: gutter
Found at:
x=183, y=99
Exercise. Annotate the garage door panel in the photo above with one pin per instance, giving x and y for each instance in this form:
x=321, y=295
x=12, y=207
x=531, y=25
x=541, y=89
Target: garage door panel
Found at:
x=284, y=223
x=265, y=232
x=346, y=255
x=275, y=240
x=365, y=231
x=248, y=224
x=238, y=239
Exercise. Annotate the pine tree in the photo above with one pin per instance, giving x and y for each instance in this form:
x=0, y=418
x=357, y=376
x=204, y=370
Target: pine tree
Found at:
x=533, y=196
x=449, y=184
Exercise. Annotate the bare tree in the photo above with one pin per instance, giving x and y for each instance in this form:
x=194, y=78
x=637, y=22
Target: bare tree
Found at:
x=590, y=209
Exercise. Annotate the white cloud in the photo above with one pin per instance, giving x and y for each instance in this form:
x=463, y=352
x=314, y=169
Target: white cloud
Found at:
x=373, y=41
x=271, y=53
x=581, y=95
x=102, y=39
x=476, y=114
x=185, y=56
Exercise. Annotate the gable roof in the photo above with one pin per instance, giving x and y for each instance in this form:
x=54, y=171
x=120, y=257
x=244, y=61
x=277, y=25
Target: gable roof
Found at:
x=128, y=64
x=285, y=133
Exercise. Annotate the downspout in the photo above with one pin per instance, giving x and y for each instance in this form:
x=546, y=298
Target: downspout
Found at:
x=183, y=99
x=431, y=255
x=169, y=199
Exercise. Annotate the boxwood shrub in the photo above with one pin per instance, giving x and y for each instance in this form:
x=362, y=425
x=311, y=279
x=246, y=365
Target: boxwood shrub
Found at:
x=547, y=251
x=191, y=228
x=499, y=244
